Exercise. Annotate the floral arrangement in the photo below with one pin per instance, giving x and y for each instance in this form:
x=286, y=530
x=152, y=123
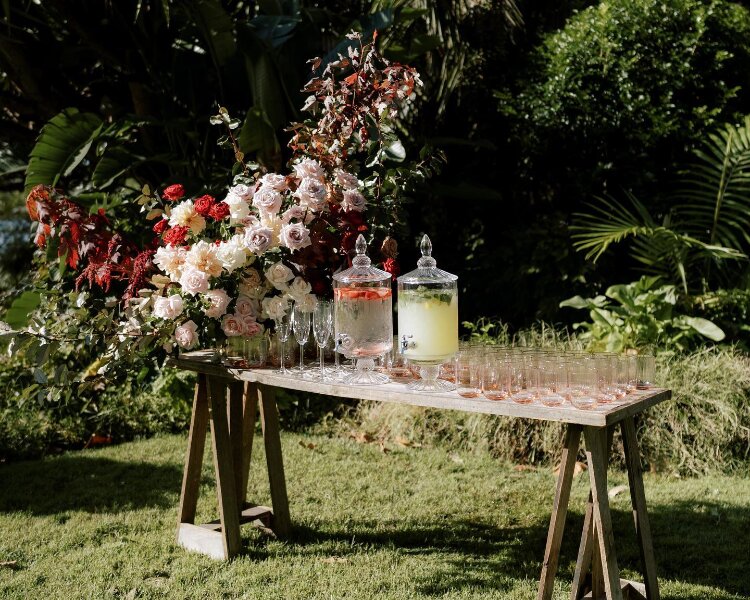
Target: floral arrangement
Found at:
x=228, y=266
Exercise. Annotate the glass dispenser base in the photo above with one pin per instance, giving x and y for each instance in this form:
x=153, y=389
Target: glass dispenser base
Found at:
x=429, y=381
x=365, y=374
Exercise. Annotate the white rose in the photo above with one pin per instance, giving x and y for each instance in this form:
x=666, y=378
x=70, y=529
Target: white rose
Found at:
x=168, y=307
x=258, y=239
x=218, y=300
x=231, y=325
x=278, y=275
x=186, y=335
x=274, y=181
x=298, y=288
x=194, y=281
x=203, y=257
x=346, y=180
x=239, y=209
x=184, y=214
x=295, y=236
x=353, y=200
x=307, y=302
x=232, y=254
x=275, y=307
x=309, y=167
x=246, y=306
x=311, y=194
x=267, y=200
x=170, y=261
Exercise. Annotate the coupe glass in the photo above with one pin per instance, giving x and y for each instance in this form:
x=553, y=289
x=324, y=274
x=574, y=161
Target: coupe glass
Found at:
x=322, y=325
x=282, y=333
x=301, y=329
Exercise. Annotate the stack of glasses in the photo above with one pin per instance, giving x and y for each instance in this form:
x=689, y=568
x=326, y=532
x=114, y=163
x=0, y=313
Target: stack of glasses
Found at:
x=549, y=377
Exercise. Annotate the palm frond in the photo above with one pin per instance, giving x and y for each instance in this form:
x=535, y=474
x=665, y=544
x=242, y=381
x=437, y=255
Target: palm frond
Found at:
x=610, y=222
x=713, y=203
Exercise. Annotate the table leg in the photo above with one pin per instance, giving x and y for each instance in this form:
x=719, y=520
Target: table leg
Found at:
x=224, y=467
x=559, y=512
x=638, y=498
x=269, y=417
x=588, y=551
x=249, y=416
x=236, y=431
x=194, y=458
x=596, y=454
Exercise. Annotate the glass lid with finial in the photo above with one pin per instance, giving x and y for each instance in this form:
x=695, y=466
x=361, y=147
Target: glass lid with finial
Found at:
x=428, y=319
x=363, y=315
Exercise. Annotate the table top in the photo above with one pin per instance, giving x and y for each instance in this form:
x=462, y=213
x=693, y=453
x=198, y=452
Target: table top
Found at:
x=600, y=416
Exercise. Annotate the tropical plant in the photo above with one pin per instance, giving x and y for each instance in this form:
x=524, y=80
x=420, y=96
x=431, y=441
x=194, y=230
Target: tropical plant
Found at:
x=642, y=313
x=708, y=224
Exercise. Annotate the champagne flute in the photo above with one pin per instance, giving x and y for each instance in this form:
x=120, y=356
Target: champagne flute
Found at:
x=282, y=333
x=322, y=325
x=301, y=329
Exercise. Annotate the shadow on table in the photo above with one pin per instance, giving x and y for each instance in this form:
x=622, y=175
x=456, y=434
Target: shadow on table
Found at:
x=702, y=544
x=84, y=482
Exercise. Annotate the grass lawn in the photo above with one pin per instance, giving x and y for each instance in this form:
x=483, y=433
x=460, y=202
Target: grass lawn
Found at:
x=409, y=523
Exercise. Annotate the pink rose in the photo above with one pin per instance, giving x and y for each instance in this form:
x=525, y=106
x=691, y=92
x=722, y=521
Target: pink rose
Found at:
x=186, y=335
x=274, y=181
x=232, y=325
x=295, y=236
x=346, y=180
x=194, y=281
x=250, y=326
x=267, y=200
x=311, y=194
x=245, y=306
x=218, y=300
x=309, y=167
x=258, y=239
x=297, y=212
x=353, y=200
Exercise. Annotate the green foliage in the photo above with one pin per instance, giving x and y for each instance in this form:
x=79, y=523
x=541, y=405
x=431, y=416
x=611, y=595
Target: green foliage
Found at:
x=642, y=313
x=707, y=225
x=627, y=86
x=730, y=310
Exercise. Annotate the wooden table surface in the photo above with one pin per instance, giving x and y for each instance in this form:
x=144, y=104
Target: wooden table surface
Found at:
x=600, y=416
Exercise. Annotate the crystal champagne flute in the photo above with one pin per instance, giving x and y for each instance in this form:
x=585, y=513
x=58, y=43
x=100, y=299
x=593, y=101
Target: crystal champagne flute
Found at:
x=301, y=329
x=282, y=333
x=322, y=325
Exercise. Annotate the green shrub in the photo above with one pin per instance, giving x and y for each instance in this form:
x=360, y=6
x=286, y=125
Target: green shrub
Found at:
x=627, y=86
x=35, y=425
x=730, y=310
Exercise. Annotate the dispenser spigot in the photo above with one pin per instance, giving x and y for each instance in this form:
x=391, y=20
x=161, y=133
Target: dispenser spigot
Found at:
x=406, y=344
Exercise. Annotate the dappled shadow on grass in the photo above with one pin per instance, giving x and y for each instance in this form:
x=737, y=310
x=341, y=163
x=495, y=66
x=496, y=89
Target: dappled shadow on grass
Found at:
x=695, y=543
x=86, y=482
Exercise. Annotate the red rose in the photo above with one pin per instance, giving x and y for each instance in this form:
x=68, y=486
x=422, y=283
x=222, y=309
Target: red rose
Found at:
x=203, y=205
x=173, y=192
x=161, y=226
x=176, y=235
x=219, y=211
x=391, y=266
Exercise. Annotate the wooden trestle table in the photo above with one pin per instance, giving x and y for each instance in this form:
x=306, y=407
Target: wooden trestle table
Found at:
x=229, y=400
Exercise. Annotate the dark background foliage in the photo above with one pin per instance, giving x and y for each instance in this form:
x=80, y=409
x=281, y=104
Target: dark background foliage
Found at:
x=539, y=106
